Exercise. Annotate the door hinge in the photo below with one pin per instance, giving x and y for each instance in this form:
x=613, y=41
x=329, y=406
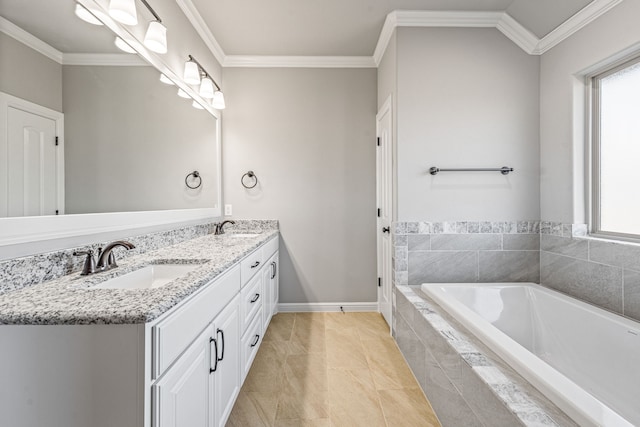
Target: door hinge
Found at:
x=378, y=212
x=378, y=141
x=57, y=212
x=56, y=141
x=379, y=282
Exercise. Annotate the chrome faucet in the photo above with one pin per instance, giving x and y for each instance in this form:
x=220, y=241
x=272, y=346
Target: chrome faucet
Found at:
x=220, y=227
x=106, y=259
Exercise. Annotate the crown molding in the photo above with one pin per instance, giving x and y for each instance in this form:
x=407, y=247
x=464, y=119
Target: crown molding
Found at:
x=12, y=30
x=584, y=17
x=108, y=59
x=518, y=34
x=201, y=27
x=299, y=61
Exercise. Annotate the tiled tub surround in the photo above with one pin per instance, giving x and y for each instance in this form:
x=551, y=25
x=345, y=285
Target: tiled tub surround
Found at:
x=466, y=383
x=466, y=251
x=69, y=299
x=601, y=272
x=18, y=273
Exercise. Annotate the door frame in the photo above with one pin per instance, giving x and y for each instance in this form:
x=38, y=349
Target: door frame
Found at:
x=9, y=101
x=386, y=108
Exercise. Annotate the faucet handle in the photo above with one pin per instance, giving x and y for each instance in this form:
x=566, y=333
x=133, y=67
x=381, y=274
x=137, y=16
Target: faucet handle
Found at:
x=89, y=266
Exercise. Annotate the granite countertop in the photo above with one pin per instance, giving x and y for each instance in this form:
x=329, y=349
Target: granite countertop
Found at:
x=71, y=300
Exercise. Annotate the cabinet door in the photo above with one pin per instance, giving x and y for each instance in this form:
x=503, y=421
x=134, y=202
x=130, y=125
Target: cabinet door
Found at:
x=181, y=398
x=267, y=289
x=275, y=283
x=227, y=376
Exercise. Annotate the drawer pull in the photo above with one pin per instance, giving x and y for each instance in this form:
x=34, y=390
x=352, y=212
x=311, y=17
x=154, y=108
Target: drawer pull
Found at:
x=255, y=340
x=214, y=352
x=274, y=270
x=255, y=298
x=255, y=264
x=221, y=333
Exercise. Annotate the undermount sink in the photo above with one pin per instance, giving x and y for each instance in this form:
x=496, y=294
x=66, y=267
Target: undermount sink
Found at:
x=149, y=277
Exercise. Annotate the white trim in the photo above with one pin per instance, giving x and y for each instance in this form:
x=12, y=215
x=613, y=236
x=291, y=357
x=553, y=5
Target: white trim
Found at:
x=192, y=14
x=428, y=18
x=518, y=34
x=328, y=306
x=259, y=61
x=388, y=28
x=12, y=30
x=101, y=59
x=588, y=14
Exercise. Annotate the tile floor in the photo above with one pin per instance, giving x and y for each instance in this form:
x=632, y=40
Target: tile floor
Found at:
x=330, y=369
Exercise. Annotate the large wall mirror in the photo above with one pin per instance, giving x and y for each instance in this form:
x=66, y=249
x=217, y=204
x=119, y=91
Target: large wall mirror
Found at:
x=127, y=142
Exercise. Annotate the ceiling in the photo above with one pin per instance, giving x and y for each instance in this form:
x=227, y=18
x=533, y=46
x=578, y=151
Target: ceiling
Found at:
x=280, y=27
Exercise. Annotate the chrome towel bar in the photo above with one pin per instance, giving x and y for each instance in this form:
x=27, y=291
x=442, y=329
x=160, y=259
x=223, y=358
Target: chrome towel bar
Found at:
x=503, y=170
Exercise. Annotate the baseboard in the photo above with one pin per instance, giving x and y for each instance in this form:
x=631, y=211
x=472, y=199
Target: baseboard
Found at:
x=328, y=306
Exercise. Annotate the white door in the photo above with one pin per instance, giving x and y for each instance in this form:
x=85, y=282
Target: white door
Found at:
x=227, y=374
x=384, y=188
x=182, y=396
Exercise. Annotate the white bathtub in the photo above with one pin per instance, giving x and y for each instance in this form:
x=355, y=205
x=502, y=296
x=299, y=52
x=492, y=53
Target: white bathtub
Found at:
x=584, y=359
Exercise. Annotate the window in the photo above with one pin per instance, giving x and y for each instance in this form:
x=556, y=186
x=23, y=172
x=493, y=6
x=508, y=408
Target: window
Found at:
x=616, y=151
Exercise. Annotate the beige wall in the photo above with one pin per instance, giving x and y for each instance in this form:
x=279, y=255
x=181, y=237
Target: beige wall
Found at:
x=29, y=75
x=309, y=135
x=562, y=138
x=467, y=97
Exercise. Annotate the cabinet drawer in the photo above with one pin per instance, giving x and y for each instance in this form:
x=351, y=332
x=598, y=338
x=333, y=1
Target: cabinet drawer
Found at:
x=250, y=265
x=172, y=335
x=270, y=248
x=251, y=300
x=250, y=343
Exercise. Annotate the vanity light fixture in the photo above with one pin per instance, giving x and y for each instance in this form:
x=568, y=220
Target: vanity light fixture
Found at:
x=124, y=46
x=166, y=80
x=124, y=11
x=205, y=91
x=183, y=94
x=191, y=72
x=156, y=37
x=86, y=15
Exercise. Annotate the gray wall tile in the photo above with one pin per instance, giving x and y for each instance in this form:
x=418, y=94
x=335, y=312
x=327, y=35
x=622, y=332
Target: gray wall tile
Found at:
x=632, y=294
x=466, y=242
x=419, y=242
x=446, y=267
x=618, y=254
x=509, y=266
x=412, y=348
x=576, y=248
x=595, y=283
x=521, y=242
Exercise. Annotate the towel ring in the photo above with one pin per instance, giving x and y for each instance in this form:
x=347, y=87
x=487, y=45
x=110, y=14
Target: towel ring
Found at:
x=250, y=175
x=196, y=175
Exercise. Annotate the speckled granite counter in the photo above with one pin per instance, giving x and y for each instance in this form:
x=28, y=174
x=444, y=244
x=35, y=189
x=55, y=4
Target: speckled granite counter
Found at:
x=71, y=299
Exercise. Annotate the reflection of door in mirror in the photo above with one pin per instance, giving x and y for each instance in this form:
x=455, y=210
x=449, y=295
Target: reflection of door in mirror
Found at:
x=33, y=183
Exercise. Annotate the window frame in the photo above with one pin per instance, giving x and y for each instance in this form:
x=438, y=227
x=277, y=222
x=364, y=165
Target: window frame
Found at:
x=594, y=148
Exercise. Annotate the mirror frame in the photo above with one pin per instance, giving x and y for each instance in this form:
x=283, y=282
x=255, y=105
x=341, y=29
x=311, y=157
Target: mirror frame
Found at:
x=21, y=236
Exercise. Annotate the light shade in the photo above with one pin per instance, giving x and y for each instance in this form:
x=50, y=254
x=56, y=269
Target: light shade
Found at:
x=206, y=88
x=218, y=101
x=191, y=73
x=156, y=37
x=197, y=105
x=124, y=11
x=123, y=46
x=84, y=14
x=183, y=94
x=166, y=80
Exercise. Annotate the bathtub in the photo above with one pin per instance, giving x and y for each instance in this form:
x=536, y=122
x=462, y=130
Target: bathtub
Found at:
x=584, y=359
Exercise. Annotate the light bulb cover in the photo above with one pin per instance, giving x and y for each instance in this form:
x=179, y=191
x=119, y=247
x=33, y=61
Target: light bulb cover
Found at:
x=88, y=16
x=124, y=46
x=166, y=80
x=196, y=104
x=156, y=37
x=183, y=94
x=191, y=73
x=206, y=88
x=124, y=11
x=218, y=101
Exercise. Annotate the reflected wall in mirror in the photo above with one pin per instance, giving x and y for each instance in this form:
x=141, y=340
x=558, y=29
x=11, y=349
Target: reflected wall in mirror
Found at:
x=126, y=141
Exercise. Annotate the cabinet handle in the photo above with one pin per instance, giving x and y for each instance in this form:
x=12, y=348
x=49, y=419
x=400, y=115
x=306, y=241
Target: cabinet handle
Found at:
x=255, y=264
x=215, y=345
x=274, y=269
x=255, y=340
x=221, y=332
x=255, y=298
x=385, y=229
